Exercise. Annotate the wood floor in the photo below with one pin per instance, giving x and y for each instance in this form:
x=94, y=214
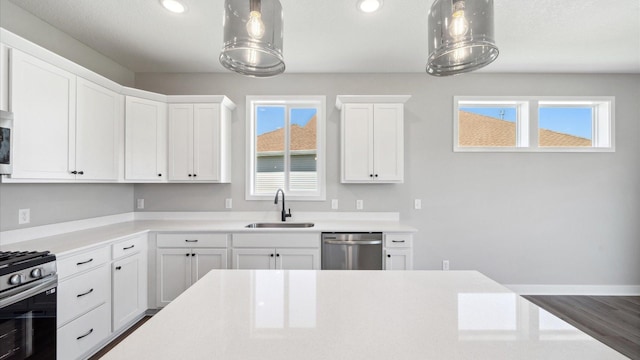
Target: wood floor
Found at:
x=613, y=320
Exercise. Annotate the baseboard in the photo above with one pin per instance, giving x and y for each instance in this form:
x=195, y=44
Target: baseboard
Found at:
x=611, y=290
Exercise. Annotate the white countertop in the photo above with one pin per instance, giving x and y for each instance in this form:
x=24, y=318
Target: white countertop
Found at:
x=64, y=243
x=272, y=314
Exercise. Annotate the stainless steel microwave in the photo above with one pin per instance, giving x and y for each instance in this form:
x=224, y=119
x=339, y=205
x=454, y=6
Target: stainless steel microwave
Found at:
x=6, y=134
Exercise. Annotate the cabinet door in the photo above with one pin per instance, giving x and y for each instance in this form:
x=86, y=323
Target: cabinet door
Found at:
x=129, y=290
x=395, y=259
x=181, y=142
x=388, y=141
x=173, y=274
x=43, y=104
x=357, y=143
x=206, y=146
x=146, y=139
x=206, y=260
x=298, y=259
x=99, y=119
x=253, y=259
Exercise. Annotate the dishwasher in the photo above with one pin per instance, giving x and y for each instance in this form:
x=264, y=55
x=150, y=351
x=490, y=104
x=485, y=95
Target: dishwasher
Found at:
x=352, y=251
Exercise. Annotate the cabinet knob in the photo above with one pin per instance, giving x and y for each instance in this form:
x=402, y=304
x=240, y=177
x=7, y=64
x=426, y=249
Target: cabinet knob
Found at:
x=278, y=255
x=80, y=172
x=74, y=172
x=370, y=175
x=159, y=174
x=194, y=175
x=388, y=255
x=190, y=175
x=186, y=254
x=376, y=175
x=193, y=254
x=118, y=267
x=271, y=255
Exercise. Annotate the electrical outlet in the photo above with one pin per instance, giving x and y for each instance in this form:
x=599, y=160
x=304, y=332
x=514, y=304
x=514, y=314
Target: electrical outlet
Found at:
x=228, y=203
x=24, y=216
x=140, y=203
x=445, y=265
x=334, y=204
x=417, y=204
x=359, y=205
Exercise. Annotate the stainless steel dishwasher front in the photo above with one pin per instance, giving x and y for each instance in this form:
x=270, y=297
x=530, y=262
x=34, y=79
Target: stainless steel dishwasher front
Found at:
x=352, y=251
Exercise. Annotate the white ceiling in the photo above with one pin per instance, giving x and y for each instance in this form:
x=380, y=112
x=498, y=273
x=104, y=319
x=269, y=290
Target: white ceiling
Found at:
x=328, y=36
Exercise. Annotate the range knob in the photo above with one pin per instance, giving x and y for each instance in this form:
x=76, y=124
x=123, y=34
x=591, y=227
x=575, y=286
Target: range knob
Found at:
x=15, y=279
x=36, y=273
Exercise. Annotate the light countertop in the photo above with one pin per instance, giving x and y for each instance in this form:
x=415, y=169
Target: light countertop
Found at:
x=271, y=314
x=64, y=243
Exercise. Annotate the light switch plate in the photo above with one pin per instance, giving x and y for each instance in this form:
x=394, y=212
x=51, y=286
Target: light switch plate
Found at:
x=140, y=203
x=228, y=203
x=359, y=205
x=417, y=204
x=24, y=216
x=334, y=204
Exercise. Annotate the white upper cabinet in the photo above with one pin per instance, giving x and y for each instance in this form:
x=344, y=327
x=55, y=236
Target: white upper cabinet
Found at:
x=372, y=138
x=199, y=142
x=67, y=128
x=43, y=99
x=99, y=128
x=145, y=139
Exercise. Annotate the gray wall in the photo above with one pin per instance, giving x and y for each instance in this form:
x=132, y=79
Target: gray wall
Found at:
x=520, y=218
x=26, y=25
x=51, y=203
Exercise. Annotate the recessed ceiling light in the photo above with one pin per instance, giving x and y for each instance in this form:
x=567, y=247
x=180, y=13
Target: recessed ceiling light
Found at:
x=369, y=6
x=174, y=6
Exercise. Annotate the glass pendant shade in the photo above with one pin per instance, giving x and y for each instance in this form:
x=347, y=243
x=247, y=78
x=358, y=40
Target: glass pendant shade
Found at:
x=253, y=37
x=460, y=36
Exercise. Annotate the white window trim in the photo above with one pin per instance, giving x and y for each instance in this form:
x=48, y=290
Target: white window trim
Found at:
x=256, y=100
x=527, y=126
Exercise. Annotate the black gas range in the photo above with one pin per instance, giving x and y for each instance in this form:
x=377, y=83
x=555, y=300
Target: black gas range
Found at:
x=28, y=301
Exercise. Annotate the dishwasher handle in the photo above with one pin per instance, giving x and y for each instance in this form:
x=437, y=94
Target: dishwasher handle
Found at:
x=352, y=242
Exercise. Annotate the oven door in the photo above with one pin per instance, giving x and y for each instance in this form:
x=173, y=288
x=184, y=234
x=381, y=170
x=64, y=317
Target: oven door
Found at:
x=28, y=322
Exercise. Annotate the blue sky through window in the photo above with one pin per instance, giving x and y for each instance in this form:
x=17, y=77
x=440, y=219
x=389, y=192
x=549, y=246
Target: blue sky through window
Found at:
x=270, y=118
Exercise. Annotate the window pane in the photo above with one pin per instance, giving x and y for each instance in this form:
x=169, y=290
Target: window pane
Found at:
x=565, y=126
x=270, y=138
x=303, y=150
x=487, y=126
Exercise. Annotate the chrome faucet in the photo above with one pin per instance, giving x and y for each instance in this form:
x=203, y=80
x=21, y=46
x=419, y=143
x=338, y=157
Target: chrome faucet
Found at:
x=283, y=214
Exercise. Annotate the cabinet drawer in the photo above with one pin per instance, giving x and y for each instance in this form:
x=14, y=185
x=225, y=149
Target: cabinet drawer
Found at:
x=193, y=240
x=83, y=261
x=129, y=246
x=398, y=240
x=83, y=334
x=276, y=240
x=79, y=294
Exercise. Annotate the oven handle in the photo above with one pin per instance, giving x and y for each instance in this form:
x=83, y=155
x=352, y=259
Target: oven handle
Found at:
x=35, y=289
x=353, y=242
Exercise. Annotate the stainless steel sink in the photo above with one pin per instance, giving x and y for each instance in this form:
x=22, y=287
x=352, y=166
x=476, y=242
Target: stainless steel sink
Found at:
x=280, y=225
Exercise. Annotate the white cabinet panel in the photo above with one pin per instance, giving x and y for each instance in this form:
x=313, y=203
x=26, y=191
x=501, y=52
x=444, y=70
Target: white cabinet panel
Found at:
x=181, y=142
x=174, y=274
x=251, y=259
x=43, y=101
x=129, y=289
x=82, y=335
x=372, y=143
x=205, y=260
x=206, y=141
x=80, y=294
x=145, y=139
x=298, y=259
x=398, y=259
x=99, y=120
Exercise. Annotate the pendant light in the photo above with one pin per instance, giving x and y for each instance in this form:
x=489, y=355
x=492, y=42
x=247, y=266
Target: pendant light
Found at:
x=253, y=37
x=460, y=36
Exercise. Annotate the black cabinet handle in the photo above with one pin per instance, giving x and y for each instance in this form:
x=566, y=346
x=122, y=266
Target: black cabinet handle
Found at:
x=196, y=240
x=193, y=254
x=397, y=241
x=118, y=267
x=159, y=174
x=128, y=247
x=186, y=254
x=74, y=172
x=271, y=255
x=370, y=175
x=87, y=293
x=376, y=175
x=190, y=175
x=194, y=175
x=80, y=172
x=278, y=255
x=85, y=335
x=84, y=262
x=388, y=255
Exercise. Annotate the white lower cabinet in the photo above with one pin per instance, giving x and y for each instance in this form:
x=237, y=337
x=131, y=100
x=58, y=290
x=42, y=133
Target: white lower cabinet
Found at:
x=129, y=280
x=398, y=252
x=276, y=251
x=178, y=266
x=82, y=335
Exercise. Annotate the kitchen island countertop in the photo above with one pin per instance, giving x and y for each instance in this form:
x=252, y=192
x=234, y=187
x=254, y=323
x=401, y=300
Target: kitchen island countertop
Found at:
x=271, y=314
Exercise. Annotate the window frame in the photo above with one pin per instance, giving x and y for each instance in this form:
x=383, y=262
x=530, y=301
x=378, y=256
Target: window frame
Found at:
x=288, y=101
x=527, y=121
